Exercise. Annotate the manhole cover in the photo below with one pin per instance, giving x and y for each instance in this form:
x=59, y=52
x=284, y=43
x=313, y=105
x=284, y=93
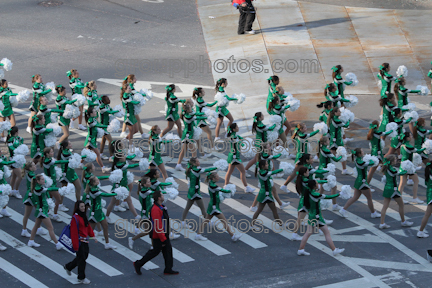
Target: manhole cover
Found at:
x=52, y=3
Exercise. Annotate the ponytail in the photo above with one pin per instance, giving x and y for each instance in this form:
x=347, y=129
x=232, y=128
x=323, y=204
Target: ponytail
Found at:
x=261, y=165
x=419, y=123
x=85, y=168
x=45, y=152
x=128, y=79
x=59, y=89
x=428, y=172
x=355, y=153
x=303, y=159
x=312, y=184
x=143, y=179
x=27, y=166
x=297, y=129
x=332, y=115
x=63, y=146
x=196, y=92
x=382, y=68
x=298, y=184
x=88, y=112
x=122, y=91
x=255, y=123
x=272, y=79
x=169, y=90
x=231, y=129
x=210, y=176
x=71, y=73
x=192, y=162
x=373, y=126
x=219, y=83
x=336, y=70
x=34, y=180
x=11, y=132
x=34, y=77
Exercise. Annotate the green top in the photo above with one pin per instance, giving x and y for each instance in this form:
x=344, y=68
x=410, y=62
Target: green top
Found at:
x=76, y=85
x=403, y=95
x=315, y=216
x=194, y=180
x=361, y=180
x=172, y=104
x=302, y=143
x=213, y=206
x=105, y=111
x=13, y=142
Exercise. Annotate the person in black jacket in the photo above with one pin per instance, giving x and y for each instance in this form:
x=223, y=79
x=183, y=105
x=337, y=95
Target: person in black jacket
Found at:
x=247, y=17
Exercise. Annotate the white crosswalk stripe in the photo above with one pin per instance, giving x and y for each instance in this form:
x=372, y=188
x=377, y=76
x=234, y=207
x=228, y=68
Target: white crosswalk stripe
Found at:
x=20, y=274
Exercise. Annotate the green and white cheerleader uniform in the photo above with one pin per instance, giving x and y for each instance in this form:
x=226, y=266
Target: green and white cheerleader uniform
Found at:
x=200, y=104
x=93, y=98
x=128, y=104
x=391, y=186
x=387, y=110
x=272, y=92
x=75, y=84
x=158, y=186
x=325, y=158
x=105, y=112
x=302, y=143
x=407, y=151
x=195, y=181
x=261, y=132
x=335, y=98
x=91, y=139
x=422, y=133
x=46, y=112
x=189, y=121
x=280, y=111
x=156, y=142
x=39, y=198
x=38, y=143
x=86, y=198
x=396, y=142
x=340, y=82
x=145, y=198
x=268, y=158
x=49, y=168
x=213, y=208
x=4, y=162
x=172, y=113
x=265, y=194
x=13, y=143
x=375, y=142
x=361, y=180
x=386, y=80
x=234, y=152
x=69, y=174
x=61, y=103
x=96, y=212
x=27, y=200
x=428, y=182
x=324, y=115
x=123, y=166
x=335, y=130
x=315, y=215
x=5, y=94
x=39, y=90
x=403, y=95
x=222, y=110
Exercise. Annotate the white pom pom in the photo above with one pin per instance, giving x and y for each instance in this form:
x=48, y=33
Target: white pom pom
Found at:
x=7, y=172
x=341, y=151
x=288, y=168
x=6, y=190
x=13, y=101
x=230, y=187
x=402, y=71
x=240, y=98
x=427, y=144
x=382, y=143
x=197, y=133
x=288, y=97
x=272, y=135
x=50, y=140
x=5, y=125
x=1, y=106
x=331, y=168
x=221, y=164
x=171, y=136
x=22, y=150
x=345, y=192
x=294, y=104
x=19, y=161
x=144, y=164
x=424, y=90
x=75, y=161
x=71, y=111
x=172, y=193
x=68, y=189
x=331, y=182
x=346, y=115
x=103, y=203
x=275, y=119
x=355, y=173
x=59, y=173
x=392, y=126
x=100, y=132
x=4, y=200
x=122, y=193
x=353, y=101
x=368, y=157
x=138, y=153
x=171, y=180
x=140, y=98
x=49, y=96
x=1, y=77
x=81, y=99
x=48, y=181
x=116, y=176
x=351, y=77
x=417, y=160
x=130, y=177
x=51, y=204
x=121, y=112
x=7, y=64
x=1, y=175
x=147, y=93
x=383, y=179
x=23, y=95
x=57, y=130
x=222, y=100
x=91, y=156
x=209, y=113
x=113, y=126
x=247, y=150
x=408, y=166
x=409, y=106
x=281, y=150
x=54, y=118
x=322, y=127
x=325, y=204
x=412, y=114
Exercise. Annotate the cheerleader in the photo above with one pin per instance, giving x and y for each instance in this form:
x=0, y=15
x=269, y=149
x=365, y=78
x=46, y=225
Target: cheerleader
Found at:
x=385, y=79
x=76, y=86
x=13, y=141
x=3, y=162
x=278, y=109
x=39, y=131
x=96, y=213
x=172, y=115
x=234, y=159
x=361, y=186
x=331, y=93
x=39, y=90
x=90, y=93
x=87, y=173
x=105, y=112
x=213, y=209
x=312, y=203
x=189, y=118
x=198, y=97
x=422, y=233
x=305, y=160
x=91, y=139
x=47, y=162
x=193, y=173
x=281, y=95
x=29, y=174
x=7, y=112
x=155, y=144
x=335, y=129
x=61, y=102
x=338, y=80
x=327, y=105
x=391, y=191
x=69, y=174
x=222, y=111
x=388, y=105
x=420, y=134
x=407, y=152
x=401, y=92
x=39, y=196
x=397, y=141
x=374, y=137
x=128, y=104
x=45, y=111
x=273, y=82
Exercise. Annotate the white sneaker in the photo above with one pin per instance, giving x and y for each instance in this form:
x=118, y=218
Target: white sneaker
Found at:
x=185, y=225
x=216, y=139
x=248, y=175
x=236, y=237
x=320, y=232
x=417, y=200
x=285, y=188
x=1, y=216
x=343, y=212
x=384, y=226
x=346, y=140
x=82, y=127
x=119, y=209
x=200, y=237
x=346, y=172
x=250, y=32
x=125, y=205
x=338, y=251
x=31, y=243
x=109, y=221
x=410, y=182
x=63, y=208
x=130, y=242
x=28, y=130
x=422, y=234
x=336, y=207
x=253, y=208
x=59, y=246
x=174, y=236
x=111, y=159
x=84, y=281
x=405, y=201
x=328, y=222
x=17, y=194
x=372, y=190
x=104, y=157
x=145, y=135
x=109, y=246
x=284, y=204
x=123, y=134
x=56, y=218
x=41, y=231
x=376, y=214
x=302, y=253
x=25, y=233
x=105, y=169
x=179, y=168
x=207, y=155
x=407, y=223
x=296, y=237
x=4, y=212
x=2, y=248
x=99, y=233
x=249, y=189
x=72, y=125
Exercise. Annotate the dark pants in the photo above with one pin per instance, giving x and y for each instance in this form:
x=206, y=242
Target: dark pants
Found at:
x=245, y=22
x=80, y=260
x=157, y=248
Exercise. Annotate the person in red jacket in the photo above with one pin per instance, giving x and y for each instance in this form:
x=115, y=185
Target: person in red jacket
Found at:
x=159, y=235
x=247, y=16
x=80, y=235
